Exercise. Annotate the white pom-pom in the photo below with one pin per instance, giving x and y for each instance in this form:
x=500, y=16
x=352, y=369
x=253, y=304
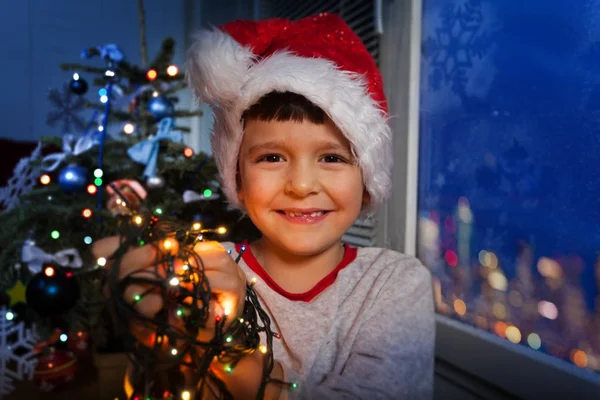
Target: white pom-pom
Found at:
x=216, y=66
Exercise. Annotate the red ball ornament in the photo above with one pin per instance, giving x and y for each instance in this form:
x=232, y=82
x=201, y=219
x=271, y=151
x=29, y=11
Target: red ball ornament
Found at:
x=55, y=369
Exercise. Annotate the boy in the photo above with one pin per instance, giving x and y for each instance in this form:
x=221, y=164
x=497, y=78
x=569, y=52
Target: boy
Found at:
x=303, y=147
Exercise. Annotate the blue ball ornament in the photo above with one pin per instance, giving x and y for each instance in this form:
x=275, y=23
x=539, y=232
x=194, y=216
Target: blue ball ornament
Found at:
x=160, y=107
x=73, y=178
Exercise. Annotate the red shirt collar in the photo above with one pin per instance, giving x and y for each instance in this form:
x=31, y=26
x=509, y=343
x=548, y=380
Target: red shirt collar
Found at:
x=254, y=265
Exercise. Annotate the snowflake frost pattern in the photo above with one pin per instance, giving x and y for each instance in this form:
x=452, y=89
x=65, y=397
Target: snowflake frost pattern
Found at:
x=67, y=107
x=17, y=358
x=24, y=178
x=456, y=42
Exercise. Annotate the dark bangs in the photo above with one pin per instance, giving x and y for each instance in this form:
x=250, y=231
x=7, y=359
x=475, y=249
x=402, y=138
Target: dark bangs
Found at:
x=285, y=106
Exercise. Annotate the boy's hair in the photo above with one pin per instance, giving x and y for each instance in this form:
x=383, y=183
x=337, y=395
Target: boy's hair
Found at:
x=285, y=106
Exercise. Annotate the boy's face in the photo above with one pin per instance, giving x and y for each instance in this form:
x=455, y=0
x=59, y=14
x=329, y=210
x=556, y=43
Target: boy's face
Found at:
x=286, y=166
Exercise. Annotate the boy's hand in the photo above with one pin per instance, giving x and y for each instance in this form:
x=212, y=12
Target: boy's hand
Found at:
x=227, y=282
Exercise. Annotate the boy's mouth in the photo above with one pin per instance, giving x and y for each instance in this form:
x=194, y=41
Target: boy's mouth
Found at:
x=299, y=213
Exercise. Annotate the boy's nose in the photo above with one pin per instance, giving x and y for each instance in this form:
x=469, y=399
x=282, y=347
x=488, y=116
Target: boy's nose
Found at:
x=302, y=180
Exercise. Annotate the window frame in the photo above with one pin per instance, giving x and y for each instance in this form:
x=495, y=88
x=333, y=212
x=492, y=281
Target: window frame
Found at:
x=511, y=368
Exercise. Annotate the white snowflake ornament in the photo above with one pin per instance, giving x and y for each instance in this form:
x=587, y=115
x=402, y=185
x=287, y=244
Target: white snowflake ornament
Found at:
x=24, y=178
x=17, y=357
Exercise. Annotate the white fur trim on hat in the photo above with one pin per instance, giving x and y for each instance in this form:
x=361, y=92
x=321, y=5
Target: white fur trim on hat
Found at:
x=223, y=74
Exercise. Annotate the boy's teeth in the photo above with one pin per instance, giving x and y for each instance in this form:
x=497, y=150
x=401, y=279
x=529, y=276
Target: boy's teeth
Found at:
x=295, y=214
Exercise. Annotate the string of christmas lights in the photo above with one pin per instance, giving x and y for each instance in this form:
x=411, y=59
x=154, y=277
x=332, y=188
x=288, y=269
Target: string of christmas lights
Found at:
x=170, y=356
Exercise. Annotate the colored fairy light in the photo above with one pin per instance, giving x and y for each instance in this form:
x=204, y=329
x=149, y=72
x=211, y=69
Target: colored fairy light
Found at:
x=228, y=339
x=174, y=281
x=55, y=234
x=92, y=189
x=221, y=230
x=138, y=220
x=207, y=192
x=87, y=213
x=63, y=337
x=294, y=385
x=158, y=211
x=228, y=368
x=102, y=92
x=185, y=267
x=98, y=173
x=101, y=261
x=174, y=352
x=263, y=349
x=98, y=181
x=75, y=76
x=185, y=395
x=196, y=226
x=151, y=74
x=45, y=179
x=172, y=70
x=9, y=316
x=103, y=99
x=188, y=152
x=49, y=271
x=179, y=312
x=137, y=298
x=128, y=128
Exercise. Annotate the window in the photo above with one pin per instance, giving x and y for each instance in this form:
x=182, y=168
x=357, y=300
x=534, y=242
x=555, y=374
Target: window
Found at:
x=496, y=107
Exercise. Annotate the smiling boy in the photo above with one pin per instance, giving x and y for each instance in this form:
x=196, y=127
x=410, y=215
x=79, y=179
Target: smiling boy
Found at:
x=303, y=147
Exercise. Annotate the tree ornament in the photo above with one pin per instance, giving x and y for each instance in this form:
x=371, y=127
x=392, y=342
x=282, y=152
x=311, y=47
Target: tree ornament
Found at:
x=16, y=293
x=55, y=368
x=52, y=291
x=17, y=355
x=73, y=178
x=155, y=182
x=78, y=85
x=160, y=107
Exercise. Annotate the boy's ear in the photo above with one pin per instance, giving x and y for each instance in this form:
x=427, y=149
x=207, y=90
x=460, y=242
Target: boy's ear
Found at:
x=366, y=197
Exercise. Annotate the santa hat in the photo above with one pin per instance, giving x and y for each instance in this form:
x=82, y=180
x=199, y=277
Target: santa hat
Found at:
x=318, y=57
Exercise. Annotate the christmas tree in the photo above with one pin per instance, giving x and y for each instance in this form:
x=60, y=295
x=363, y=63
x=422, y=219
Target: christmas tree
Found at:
x=129, y=163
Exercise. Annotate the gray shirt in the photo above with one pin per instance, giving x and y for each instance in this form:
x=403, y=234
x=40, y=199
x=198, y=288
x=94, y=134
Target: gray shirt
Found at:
x=367, y=332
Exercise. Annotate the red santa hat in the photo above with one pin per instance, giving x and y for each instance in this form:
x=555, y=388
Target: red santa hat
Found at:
x=318, y=57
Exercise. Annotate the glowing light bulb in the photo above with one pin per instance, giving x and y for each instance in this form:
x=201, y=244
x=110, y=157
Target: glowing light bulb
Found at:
x=87, y=240
x=86, y=213
x=10, y=316
x=137, y=298
x=253, y=281
x=101, y=261
x=55, y=234
x=263, y=349
x=138, y=220
x=196, y=226
x=45, y=179
x=172, y=70
x=228, y=339
x=174, y=352
x=228, y=368
x=174, y=281
x=63, y=338
x=185, y=395
x=185, y=267
x=92, y=189
x=49, y=271
x=75, y=76
x=98, y=173
x=151, y=74
x=103, y=99
x=207, y=193
x=128, y=128
x=188, y=152
x=221, y=230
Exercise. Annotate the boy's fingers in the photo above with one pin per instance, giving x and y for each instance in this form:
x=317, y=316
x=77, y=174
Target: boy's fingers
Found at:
x=106, y=247
x=136, y=259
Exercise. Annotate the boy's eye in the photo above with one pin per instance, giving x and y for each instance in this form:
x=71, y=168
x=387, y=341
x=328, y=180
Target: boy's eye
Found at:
x=271, y=158
x=333, y=159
